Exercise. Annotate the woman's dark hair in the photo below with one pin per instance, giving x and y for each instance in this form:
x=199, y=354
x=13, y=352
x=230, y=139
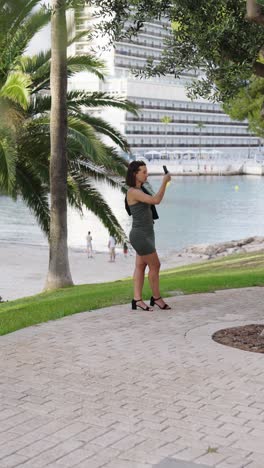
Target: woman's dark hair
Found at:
x=132, y=170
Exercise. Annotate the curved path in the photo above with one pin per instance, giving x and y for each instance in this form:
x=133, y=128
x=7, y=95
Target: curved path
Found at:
x=120, y=389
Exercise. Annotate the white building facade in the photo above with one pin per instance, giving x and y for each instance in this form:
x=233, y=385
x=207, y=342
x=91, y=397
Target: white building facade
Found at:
x=190, y=125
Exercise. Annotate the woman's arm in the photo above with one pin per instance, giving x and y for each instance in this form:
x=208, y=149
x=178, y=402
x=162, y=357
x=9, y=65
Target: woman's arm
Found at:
x=135, y=195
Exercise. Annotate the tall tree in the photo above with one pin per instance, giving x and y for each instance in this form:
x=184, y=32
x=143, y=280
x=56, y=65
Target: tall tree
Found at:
x=220, y=38
x=59, y=270
x=223, y=39
x=18, y=24
x=166, y=119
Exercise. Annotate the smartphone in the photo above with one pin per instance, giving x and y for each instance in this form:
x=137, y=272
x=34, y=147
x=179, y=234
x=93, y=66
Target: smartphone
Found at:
x=165, y=170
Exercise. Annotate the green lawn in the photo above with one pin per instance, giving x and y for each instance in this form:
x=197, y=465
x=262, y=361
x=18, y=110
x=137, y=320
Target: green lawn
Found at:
x=236, y=271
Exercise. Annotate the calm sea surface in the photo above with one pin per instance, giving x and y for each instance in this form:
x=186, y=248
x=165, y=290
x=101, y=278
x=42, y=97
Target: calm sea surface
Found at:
x=195, y=210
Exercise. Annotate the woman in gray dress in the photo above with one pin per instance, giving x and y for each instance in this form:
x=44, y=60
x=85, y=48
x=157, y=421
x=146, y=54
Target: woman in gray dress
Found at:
x=142, y=236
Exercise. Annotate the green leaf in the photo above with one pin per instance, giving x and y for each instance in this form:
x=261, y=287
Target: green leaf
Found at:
x=16, y=88
x=8, y=159
x=34, y=194
x=88, y=63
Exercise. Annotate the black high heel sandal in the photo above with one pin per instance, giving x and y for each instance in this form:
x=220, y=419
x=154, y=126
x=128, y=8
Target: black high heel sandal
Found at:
x=135, y=306
x=153, y=301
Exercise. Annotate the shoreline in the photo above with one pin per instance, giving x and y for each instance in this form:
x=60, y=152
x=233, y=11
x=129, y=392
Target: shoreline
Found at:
x=26, y=265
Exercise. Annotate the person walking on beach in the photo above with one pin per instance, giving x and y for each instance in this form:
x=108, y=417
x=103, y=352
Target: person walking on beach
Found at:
x=125, y=249
x=111, y=247
x=142, y=237
x=89, y=245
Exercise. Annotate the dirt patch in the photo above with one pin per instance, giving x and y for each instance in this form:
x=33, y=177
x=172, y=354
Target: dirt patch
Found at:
x=247, y=337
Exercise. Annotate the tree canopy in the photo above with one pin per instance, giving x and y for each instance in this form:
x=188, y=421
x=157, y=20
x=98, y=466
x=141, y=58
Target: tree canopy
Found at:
x=222, y=39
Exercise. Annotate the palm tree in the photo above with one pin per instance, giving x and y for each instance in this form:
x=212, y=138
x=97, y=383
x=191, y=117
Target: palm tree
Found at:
x=59, y=269
x=166, y=120
x=88, y=158
x=200, y=126
x=14, y=99
x=18, y=24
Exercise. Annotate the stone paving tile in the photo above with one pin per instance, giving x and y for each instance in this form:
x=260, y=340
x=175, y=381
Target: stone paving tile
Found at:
x=211, y=459
x=114, y=389
x=190, y=453
x=126, y=464
x=13, y=460
x=50, y=456
x=100, y=459
x=73, y=459
x=169, y=463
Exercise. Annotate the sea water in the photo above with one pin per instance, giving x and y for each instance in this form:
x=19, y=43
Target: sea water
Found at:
x=194, y=210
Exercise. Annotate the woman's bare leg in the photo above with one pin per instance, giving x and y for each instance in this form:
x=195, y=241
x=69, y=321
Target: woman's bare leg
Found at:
x=153, y=276
x=139, y=276
x=153, y=263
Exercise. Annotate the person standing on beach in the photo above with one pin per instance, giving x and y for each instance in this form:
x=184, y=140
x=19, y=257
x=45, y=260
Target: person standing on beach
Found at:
x=142, y=236
x=89, y=245
x=111, y=247
x=125, y=249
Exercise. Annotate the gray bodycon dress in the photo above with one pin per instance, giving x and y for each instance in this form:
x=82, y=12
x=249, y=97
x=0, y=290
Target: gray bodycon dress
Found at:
x=142, y=235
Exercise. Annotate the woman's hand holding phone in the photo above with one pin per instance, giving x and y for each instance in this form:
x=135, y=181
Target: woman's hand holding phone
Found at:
x=167, y=177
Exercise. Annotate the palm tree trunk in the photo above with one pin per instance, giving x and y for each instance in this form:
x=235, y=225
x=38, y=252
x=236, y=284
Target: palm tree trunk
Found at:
x=59, y=271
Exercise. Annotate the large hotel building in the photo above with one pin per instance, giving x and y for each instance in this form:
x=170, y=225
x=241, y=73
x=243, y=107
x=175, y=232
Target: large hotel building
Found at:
x=189, y=125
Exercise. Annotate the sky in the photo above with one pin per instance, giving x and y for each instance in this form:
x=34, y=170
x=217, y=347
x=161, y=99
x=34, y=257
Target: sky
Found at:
x=41, y=41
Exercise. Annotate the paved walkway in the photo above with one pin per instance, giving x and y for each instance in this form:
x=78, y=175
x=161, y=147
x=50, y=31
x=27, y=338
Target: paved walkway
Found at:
x=117, y=389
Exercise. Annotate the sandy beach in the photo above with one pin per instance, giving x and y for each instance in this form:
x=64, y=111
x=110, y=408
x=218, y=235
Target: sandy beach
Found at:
x=24, y=268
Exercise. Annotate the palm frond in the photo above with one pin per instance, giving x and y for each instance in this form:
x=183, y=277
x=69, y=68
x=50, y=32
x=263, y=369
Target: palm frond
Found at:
x=72, y=38
x=38, y=66
x=12, y=115
x=82, y=143
x=93, y=200
x=100, y=99
x=39, y=104
x=34, y=194
x=102, y=126
x=41, y=77
x=32, y=64
x=18, y=38
x=92, y=147
x=13, y=14
x=37, y=138
x=116, y=161
x=16, y=89
x=18, y=12
x=8, y=158
x=94, y=172
x=87, y=63
x=88, y=169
